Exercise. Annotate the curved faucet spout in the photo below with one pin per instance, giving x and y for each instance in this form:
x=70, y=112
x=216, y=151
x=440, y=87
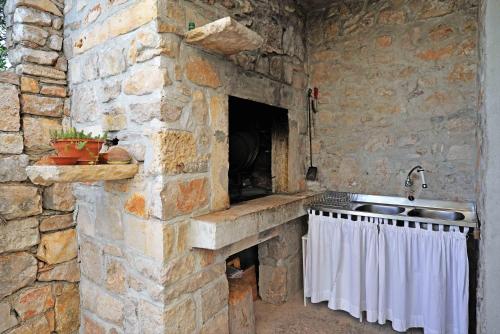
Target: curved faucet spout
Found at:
x=419, y=169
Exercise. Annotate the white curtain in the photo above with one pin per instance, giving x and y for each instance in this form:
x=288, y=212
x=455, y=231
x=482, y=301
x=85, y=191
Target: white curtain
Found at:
x=412, y=276
x=424, y=278
x=342, y=264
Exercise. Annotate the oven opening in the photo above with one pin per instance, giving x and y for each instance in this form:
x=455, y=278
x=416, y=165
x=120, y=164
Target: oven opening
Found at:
x=258, y=149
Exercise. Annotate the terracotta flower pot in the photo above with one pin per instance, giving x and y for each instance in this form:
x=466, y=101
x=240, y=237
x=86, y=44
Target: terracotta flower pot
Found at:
x=63, y=161
x=88, y=154
x=66, y=147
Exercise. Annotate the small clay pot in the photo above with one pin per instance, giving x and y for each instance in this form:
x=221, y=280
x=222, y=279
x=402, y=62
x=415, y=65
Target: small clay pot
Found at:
x=117, y=156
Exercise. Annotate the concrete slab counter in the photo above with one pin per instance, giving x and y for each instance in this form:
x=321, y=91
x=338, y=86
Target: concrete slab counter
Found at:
x=219, y=229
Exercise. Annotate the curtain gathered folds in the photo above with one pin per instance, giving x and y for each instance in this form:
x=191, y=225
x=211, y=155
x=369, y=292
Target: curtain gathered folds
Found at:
x=413, y=276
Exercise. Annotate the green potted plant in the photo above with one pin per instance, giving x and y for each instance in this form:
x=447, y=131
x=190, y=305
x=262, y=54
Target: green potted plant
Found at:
x=71, y=143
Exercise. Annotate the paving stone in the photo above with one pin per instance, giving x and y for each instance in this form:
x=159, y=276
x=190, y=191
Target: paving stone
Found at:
x=39, y=325
x=18, y=270
x=203, y=73
x=389, y=16
x=434, y=8
x=182, y=197
x=29, y=33
x=29, y=85
x=55, y=42
x=91, y=261
x=145, y=79
x=59, y=197
x=43, y=106
x=59, y=91
x=136, y=204
x=218, y=324
x=214, y=298
x=180, y=318
x=174, y=151
x=57, y=222
x=22, y=54
x=17, y=201
x=119, y=23
x=115, y=276
x=16, y=235
x=32, y=16
x=67, y=309
x=13, y=168
x=114, y=118
x=7, y=319
x=9, y=77
x=91, y=326
x=272, y=284
x=112, y=62
x=44, y=5
x=58, y=247
x=104, y=305
x=150, y=317
x=37, y=133
x=31, y=302
x=66, y=271
x=9, y=108
x=144, y=236
x=41, y=71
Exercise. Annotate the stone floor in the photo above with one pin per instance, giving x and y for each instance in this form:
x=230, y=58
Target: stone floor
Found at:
x=293, y=318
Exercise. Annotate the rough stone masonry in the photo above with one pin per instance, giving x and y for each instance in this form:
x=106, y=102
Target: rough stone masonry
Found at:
x=39, y=272
x=130, y=73
x=398, y=88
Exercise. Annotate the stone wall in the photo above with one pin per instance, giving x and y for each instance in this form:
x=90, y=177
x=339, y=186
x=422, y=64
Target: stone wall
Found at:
x=280, y=263
x=398, y=88
x=131, y=74
x=39, y=272
x=488, y=187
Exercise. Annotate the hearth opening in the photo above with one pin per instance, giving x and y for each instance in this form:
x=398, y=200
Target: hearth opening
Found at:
x=258, y=149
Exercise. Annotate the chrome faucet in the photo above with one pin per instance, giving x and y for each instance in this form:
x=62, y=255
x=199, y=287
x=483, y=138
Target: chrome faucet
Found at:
x=419, y=169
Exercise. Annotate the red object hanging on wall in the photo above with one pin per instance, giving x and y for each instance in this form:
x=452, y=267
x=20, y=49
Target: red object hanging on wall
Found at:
x=316, y=93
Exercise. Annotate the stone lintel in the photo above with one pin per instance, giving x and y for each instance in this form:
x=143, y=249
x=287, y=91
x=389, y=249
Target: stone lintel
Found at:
x=224, y=36
x=246, y=220
x=47, y=175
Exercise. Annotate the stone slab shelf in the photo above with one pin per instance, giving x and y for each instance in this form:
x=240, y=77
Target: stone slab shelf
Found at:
x=224, y=36
x=47, y=175
x=245, y=220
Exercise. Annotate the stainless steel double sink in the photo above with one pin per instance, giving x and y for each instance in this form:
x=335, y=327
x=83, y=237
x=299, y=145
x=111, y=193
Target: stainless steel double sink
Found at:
x=400, y=208
x=420, y=212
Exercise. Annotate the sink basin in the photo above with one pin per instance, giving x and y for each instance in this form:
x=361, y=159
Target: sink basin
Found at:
x=380, y=209
x=436, y=214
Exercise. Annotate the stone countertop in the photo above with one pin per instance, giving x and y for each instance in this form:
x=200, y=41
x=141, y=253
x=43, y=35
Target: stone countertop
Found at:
x=219, y=229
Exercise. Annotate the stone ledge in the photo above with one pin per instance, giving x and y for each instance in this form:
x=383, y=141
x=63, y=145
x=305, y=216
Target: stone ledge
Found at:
x=225, y=36
x=244, y=220
x=47, y=175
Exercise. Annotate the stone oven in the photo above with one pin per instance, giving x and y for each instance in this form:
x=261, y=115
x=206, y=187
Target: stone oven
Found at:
x=153, y=248
x=258, y=149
